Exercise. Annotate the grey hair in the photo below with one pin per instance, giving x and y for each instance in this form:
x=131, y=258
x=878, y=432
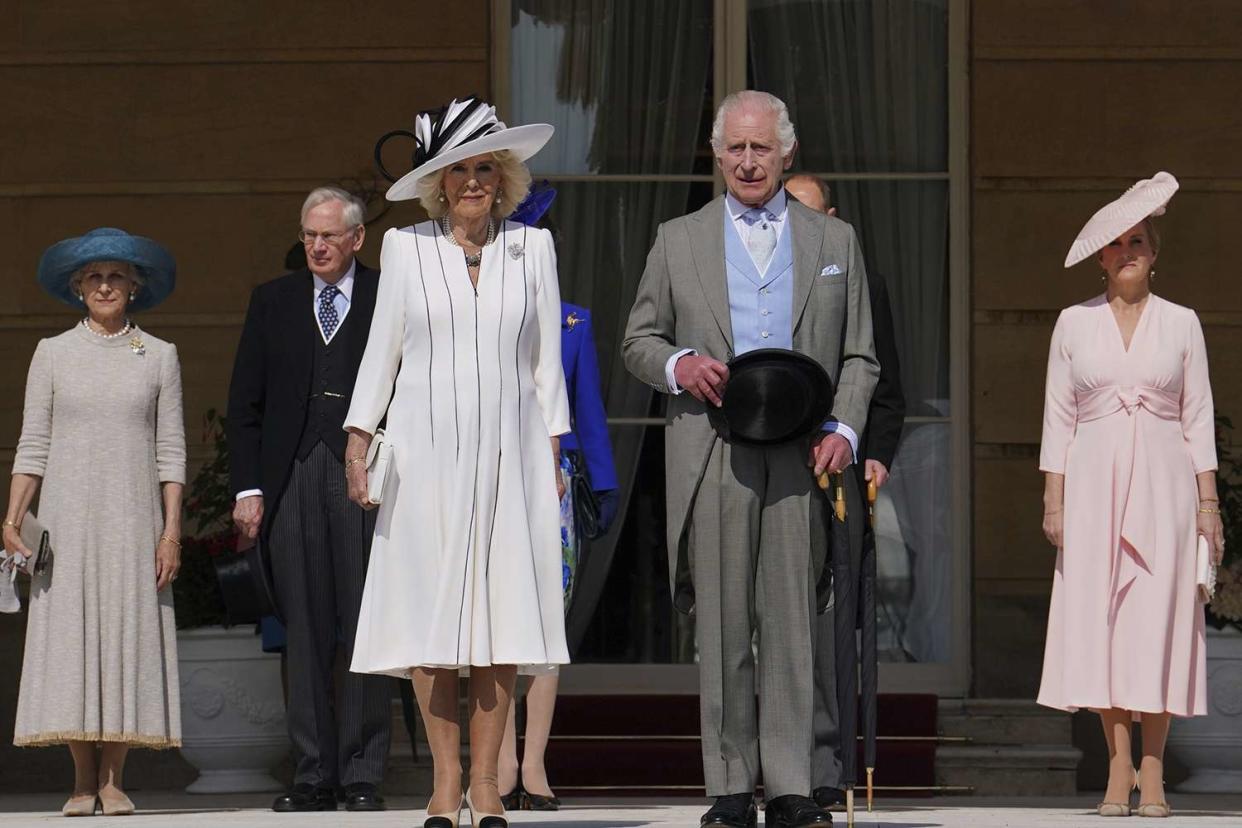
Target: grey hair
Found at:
x=752, y=97
x=134, y=274
x=514, y=186
x=354, y=211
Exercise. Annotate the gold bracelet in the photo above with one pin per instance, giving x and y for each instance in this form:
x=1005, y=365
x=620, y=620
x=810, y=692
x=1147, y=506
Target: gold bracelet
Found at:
x=11, y=523
x=349, y=463
x=173, y=541
x=1209, y=511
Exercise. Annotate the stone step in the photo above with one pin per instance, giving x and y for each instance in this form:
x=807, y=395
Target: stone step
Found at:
x=1009, y=770
x=1004, y=722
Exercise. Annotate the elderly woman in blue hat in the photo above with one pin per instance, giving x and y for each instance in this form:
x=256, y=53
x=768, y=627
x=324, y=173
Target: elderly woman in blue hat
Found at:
x=103, y=437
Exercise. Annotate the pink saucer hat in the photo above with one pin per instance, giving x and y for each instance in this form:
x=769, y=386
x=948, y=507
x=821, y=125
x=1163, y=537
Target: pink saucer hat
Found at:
x=1146, y=198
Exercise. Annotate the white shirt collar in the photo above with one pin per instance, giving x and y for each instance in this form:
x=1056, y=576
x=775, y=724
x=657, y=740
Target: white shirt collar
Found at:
x=345, y=284
x=775, y=205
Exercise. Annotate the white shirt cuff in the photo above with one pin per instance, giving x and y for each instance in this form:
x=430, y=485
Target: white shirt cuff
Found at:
x=248, y=493
x=837, y=427
x=670, y=378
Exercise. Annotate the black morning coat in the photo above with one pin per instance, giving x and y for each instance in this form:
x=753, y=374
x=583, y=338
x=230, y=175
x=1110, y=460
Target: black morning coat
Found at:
x=271, y=385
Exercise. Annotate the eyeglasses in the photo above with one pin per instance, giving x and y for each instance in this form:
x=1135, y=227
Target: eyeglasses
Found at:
x=309, y=237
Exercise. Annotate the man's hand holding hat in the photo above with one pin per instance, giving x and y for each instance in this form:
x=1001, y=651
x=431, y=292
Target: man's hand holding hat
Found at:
x=705, y=378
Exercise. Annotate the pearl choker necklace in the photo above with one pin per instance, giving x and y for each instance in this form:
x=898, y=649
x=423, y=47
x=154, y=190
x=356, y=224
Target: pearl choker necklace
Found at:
x=129, y=326
x=472, y=259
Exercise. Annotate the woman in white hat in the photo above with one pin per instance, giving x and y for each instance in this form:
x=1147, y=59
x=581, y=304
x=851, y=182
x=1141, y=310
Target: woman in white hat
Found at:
x=1129, y=458
x=103, y=445
x=465, y=568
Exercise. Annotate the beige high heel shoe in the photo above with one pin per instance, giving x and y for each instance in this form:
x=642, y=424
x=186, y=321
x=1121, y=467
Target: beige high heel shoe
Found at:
x=1159, y=810
x=1116, y=809
x=446, y=820
x=80, y=805
x=116, y=804
x=478, y=819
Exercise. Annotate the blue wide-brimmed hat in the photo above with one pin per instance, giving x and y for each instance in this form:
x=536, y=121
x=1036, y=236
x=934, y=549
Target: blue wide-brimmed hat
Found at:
x=108, y=244
x=536, y=203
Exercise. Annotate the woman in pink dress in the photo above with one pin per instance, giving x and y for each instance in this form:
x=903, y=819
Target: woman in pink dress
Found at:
x=1129, y=458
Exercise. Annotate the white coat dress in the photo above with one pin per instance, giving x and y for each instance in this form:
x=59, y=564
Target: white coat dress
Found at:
x=465, y=565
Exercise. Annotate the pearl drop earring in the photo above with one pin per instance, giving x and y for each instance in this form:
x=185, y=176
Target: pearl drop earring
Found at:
x=442, y=196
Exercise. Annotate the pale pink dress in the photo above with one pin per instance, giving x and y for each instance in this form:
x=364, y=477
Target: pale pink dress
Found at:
x=1129, y=430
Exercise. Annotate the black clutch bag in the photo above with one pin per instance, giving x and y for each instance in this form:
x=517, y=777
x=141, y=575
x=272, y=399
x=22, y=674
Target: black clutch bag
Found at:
x=586, y=507
x=36, y=538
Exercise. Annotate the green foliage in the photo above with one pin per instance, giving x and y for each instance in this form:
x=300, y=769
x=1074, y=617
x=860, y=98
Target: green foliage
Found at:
x=209, y=506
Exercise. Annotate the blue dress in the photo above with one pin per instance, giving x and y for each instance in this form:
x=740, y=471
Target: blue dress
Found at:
x=585, y=450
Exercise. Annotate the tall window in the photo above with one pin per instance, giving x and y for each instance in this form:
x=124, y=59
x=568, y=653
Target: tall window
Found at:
x=631, y=88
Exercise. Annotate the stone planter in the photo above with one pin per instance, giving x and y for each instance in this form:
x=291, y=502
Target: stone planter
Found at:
x=1210, y=747
x=232, y=710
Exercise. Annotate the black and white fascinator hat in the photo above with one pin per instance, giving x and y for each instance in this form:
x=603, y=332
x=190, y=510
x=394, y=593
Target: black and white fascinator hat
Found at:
x=452, y=133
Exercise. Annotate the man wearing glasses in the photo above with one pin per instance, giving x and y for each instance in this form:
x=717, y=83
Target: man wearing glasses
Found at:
x=292, y=380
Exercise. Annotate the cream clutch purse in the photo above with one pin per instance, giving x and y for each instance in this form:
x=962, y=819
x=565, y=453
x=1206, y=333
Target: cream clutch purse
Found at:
x=1205, y=571
x=379, y=458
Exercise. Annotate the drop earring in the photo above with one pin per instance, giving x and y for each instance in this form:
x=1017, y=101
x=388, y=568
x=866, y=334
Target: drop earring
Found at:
x=442, y=196
x=500, y=195
x=133, y=295
x=1152, y=275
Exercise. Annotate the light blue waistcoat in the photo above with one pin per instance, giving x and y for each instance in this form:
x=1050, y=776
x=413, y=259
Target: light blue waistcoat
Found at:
x=760, y=305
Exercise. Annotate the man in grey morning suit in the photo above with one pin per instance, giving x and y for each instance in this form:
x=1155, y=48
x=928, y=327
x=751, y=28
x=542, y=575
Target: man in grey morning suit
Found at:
x=747, y=529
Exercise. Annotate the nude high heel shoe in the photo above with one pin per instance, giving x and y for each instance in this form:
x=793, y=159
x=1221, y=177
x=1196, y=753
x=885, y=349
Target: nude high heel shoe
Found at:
x=481, y=820
x=1116, y=809
x=1159, y=810
x=80, y=805
x=116, y=804
x=448, y=820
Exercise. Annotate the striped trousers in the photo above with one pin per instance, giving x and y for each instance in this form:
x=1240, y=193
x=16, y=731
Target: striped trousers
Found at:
x=319, y=545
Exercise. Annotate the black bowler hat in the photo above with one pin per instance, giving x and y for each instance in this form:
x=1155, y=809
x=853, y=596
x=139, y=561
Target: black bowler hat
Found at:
x=773, y=396
x=246, y=584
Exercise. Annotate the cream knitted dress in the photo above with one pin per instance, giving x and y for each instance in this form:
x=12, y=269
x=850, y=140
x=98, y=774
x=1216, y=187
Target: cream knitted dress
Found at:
x=103, y=427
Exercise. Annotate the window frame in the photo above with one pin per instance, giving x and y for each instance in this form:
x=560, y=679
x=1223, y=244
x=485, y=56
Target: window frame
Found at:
x=950, y=678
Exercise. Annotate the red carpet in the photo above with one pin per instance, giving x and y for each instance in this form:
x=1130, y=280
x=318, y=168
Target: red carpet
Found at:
x=649, y=745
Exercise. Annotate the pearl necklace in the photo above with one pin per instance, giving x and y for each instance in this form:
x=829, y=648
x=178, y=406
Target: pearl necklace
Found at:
x=129, y=326
x=472, y=259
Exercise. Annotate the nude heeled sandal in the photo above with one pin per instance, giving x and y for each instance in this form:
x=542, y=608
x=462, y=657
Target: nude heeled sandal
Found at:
x=1159, y=810
x=1116, y=809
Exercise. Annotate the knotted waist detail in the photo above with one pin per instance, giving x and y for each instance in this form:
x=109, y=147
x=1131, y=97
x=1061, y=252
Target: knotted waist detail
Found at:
x=1101, y=402
x=1134, y=513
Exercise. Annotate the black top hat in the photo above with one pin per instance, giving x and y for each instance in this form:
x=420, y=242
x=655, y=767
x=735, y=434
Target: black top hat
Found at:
x=773, y=396
x=246, y=583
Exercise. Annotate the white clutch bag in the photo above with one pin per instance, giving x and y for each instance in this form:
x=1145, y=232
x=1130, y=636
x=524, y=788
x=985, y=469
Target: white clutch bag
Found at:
x=379, y=459
x=1205, y=571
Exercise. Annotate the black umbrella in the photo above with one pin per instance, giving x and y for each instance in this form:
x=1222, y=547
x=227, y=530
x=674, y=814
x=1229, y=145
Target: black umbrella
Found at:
x=847, y=551
x=866, y=622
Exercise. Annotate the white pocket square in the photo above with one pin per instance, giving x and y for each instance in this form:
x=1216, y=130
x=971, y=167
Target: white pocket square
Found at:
x=830, y=270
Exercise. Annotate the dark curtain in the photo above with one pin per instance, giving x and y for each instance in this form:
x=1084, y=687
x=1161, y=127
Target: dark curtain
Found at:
x=637, y=73
x=866, y=82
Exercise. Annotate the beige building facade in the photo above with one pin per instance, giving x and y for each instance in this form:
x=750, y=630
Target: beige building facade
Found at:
x=204, y=127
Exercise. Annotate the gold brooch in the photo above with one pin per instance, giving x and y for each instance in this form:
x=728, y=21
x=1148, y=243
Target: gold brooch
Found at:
x=136, y=345
x=572, y=319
